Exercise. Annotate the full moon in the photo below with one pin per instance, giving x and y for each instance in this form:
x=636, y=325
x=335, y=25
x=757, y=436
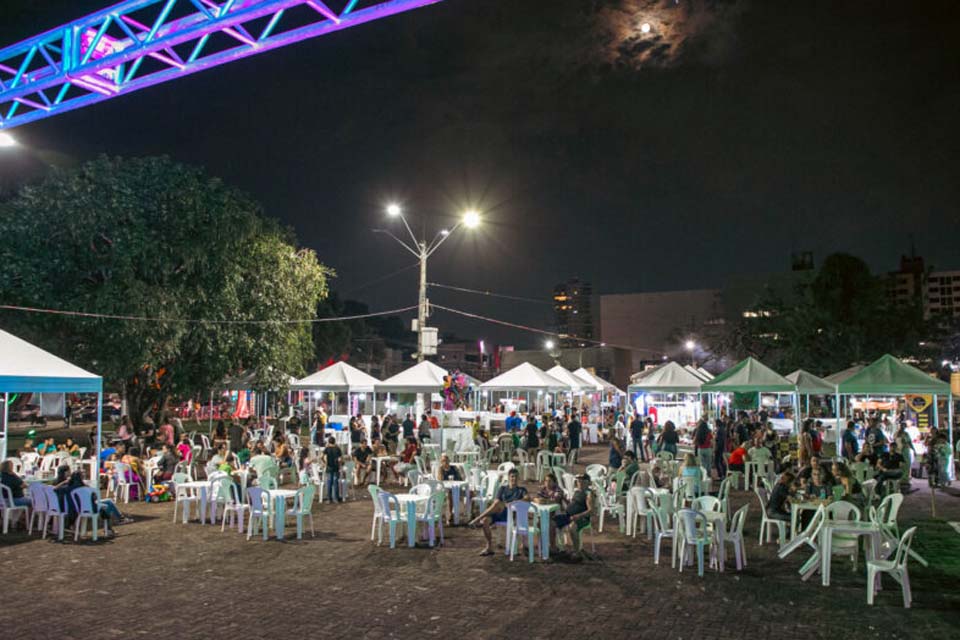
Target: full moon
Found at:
x=645, y=27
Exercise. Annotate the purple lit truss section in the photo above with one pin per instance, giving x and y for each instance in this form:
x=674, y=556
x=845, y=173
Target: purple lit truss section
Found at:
x=140, y=43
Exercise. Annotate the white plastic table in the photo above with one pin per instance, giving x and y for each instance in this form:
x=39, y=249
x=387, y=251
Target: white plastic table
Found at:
x=545, y=510
x=454, y=487
x=850, y=528
x=279, y=498
x=379, y=460
x=410, y=502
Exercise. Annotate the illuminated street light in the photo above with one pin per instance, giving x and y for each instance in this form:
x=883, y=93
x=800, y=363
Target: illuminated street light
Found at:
x=445, y=232
x=549, y=344
x=7, y=140
x=394, y=210
x=690, y=345
x=471, y=219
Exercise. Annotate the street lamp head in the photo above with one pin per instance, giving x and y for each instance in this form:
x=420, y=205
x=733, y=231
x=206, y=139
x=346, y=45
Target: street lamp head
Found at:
x=445, y=232
x=471, y=219
x=394, y=210
x=7, y=140
x=690, y=345
x=548, y=344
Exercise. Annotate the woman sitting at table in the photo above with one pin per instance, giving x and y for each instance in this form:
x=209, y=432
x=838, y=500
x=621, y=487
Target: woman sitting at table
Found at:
x=578, y=512
x=815, y=480
x=166, y=465
x=447, y=471
x=867, y=455
x=691, y=469
x=852, y=491
x=283, y=454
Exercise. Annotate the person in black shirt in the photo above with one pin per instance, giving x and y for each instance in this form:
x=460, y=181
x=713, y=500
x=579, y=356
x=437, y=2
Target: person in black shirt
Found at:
x=167, y=464
x=408, y=426
x=15, y=483
x=393, y=434
x=497, y=511
x=889, y=467
x=777, y=505
x=636, y=437
x=574, y=431
x=533, y=440
x=363, y=455
x=331, y=460
x=578, y=511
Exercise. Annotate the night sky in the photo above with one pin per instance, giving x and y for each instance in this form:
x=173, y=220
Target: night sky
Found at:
x=728, y=136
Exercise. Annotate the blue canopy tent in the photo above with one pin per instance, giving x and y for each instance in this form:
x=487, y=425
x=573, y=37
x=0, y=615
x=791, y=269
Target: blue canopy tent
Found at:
x=25, y=368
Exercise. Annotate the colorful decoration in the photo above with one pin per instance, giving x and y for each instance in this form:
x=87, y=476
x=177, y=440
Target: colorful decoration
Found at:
x=456, y=390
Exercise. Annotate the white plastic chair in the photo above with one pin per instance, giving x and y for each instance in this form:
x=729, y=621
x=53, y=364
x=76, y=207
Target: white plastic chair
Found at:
x=54, y=511
x=86, y=512
x=735, y=537
x=38, y=507
x=504, y=469
x=840, y=544
x=606, y=503
x=260, y=512
x=303, y=502
x=525, y=466
x=235, y=508
x=122, y=485
x=766, y=523
x=707, y=503
x=518, y=516
x=432, y=516
x=488, y=491
x=377, y=513
x=17, y=464
x=897, y=568
x=692, y=526
x=9, y=508
x=48, y=467
x=391, y=515
x=597, y=472
x=663, y=531
x=643, y=503
x=184, y=498
x=810, y=536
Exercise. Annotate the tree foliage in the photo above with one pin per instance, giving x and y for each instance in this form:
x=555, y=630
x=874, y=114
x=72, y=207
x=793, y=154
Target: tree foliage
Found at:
x=153, y=238
x=841, y=318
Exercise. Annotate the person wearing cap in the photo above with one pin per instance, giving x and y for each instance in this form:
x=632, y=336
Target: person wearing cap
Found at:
x=578, y=511
x=497, y=511
x=512, y=423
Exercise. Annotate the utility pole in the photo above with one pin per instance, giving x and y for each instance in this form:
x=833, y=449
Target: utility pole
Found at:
x=422, y=301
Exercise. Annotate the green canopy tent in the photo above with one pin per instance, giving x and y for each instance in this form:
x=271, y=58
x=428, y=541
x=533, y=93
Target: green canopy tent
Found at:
x=811, y=385
x=889, y=376
x=751, y=375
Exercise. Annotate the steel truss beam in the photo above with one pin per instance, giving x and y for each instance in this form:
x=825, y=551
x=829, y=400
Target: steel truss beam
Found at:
x=139, y=43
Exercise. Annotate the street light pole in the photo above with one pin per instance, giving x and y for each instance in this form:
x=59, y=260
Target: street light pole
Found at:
x=423, y=250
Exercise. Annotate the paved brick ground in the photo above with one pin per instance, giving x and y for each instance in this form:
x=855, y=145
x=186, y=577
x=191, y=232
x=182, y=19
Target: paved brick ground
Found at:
x=162, y=579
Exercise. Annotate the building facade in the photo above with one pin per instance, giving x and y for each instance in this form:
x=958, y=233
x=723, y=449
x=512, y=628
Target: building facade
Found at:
x=573, y=313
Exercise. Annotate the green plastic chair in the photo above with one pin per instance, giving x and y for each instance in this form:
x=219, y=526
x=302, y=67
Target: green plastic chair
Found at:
x=302, y=509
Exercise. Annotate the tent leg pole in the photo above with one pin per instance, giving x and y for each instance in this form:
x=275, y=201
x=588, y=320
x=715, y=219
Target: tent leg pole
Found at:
x=96, y=475
x=6, y=427
x=950, y=434
x=839, y=436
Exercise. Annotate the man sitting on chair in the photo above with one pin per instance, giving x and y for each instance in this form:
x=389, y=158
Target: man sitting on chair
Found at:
x=363, y=456
x=578, y=512
x=497, y=511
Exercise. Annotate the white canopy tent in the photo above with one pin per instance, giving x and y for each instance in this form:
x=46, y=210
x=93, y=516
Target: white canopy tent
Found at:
x=423, y=377
x=696, y=372
x=598, y=383
x=525, y=378
x=671, y=378
x=25, y=368
x=574, y=384
x=337, y=378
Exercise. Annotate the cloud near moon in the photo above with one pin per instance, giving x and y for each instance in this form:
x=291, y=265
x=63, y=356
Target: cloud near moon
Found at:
x=663, y=33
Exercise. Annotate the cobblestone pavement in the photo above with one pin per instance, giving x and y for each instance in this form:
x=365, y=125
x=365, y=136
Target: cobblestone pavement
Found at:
x=157, y=578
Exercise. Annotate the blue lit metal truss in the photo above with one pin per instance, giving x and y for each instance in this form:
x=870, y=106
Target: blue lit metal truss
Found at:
x=140, y=43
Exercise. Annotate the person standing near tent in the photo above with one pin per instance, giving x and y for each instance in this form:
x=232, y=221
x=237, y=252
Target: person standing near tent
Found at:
x=703, y=441
x=851, y=446
x=721, y=447
x=905, y=446
x=574, y=432
x=636, y=437
x=423, y=430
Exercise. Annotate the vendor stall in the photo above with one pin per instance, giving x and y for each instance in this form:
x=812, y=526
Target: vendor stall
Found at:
x=752, y=376
x=337, y=378
x=670, y=392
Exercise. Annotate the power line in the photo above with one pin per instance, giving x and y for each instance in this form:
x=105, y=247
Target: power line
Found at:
x=108, y=316
x=522, y=327
x=488, y=293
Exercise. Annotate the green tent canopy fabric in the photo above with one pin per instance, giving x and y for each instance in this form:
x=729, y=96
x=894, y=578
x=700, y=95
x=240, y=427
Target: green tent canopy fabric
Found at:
x=888, y=375
x=669, y=378
x=809, y=384
x=840, y=376
x=750, y=375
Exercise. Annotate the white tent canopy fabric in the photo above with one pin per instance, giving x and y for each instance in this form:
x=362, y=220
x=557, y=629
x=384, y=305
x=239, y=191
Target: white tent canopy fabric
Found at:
x=338, y=377
x=25, y=367
x=706, y=374
x=573, y=383
x=424, y=377
x=809, y=384
x=524, y=377
x=599, y=384
x=696, y=372
x=640, y=375
x=669, y=378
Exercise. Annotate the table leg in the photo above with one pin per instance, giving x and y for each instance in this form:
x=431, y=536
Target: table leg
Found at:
x=455, y=494
x=411, y=524
x=378, y=472
x=544, y=534
x=278, y=519
x=826, y=540
x=793, y=521
x=630, y=518
x=746, y=476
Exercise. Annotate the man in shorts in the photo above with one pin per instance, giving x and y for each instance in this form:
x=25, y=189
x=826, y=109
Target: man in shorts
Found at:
x=497, y=511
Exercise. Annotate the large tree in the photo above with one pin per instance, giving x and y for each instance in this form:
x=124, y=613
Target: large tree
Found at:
x=841, y=318
x=151, y=238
